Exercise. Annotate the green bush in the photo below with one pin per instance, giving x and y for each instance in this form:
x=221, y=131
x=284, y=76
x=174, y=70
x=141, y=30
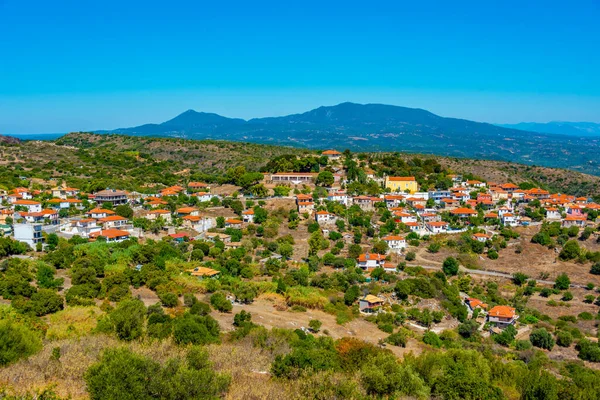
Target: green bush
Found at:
x=168, y=299
x=541, y=338
x=398, y=339
x=585, y=316
x=564, y=339
x=195, y=329
x=122, y=374
x=522, y=345
x=562, y=282
x=219, y=302
x=17, y=341
x=432, y=339
x=128, y=319
x=450, y=266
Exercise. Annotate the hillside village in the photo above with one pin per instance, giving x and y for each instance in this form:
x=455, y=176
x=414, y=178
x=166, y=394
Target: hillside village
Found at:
x=402, y=255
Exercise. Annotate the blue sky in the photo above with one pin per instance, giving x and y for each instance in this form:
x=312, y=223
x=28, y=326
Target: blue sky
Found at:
x=83, y=65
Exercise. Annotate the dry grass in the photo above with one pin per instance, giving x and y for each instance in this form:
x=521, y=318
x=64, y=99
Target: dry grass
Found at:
x=72, y=322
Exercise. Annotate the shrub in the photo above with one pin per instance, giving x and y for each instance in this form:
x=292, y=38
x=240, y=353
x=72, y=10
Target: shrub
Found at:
x=410, y=256
x=432, y=339
x=588, y=351
x=492, y=254
x=122, y=374
x=220, y=302
x=522, y=345
x=570, y=251
x=450, y=266
x=585, y=316
x=519, y=278
x=541, y=338
x=200, y=308
x=195, y=329
x=589, y=298
x=595, y=268
x=468, y=329
x=315, y=325
x=434, y=247
x=397, y=339
x=564, y=339
x=17, y=342
x=169, y=299
x=128, y=319
x=507, y=336
x=562, y=282
x=567, y=296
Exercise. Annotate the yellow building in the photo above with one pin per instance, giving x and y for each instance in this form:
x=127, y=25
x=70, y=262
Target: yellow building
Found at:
x=401, y=184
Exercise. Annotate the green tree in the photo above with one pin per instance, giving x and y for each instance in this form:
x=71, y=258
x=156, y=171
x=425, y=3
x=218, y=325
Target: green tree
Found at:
x=541, y=338
x=124, y=211
x=45, y=277
x=351, y=295
x=315, y=325
x=564, y=339
x=128, y=319
x=220, y=302
x=450, y=266
x=325, y=178
x=17, y=341
x=122, y=374
x=195, y=329
x=570, y=251
x=562, y=282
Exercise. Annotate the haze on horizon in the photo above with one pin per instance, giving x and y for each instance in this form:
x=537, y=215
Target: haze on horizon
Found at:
x=107, y=65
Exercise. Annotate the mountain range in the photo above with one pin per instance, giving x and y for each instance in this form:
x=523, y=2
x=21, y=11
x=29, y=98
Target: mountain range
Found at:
x=379, y=127
x=558, y=128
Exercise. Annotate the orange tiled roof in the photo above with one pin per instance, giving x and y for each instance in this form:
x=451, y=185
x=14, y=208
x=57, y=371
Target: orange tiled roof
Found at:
x=392, y=237
x=464, y=210
x=110, y=233
x=372, y=256
x=502, y=312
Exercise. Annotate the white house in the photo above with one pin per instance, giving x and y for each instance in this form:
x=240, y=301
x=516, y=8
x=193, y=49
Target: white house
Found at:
x=100, y=213
x=437, y=226
x=155, y=214
x=574, y=220
x=339, y=197
x=404, y=217
x=38, y=217
x=199, y=223
x=509, y=219
x=111, y=235
x=64, y=192
x=82, y=227
x=30, y=205
x=553, y=213
x=504, y=210
x=28, y=233
x=205, y=196
x=395, y=243
x=502, y=316
x=370, y=261
x=324, y=217
x=113, y=221
x=248, y=216
x=481, y=237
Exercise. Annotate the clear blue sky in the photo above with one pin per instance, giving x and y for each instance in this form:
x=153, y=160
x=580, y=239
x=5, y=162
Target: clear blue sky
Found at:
x=82, y=65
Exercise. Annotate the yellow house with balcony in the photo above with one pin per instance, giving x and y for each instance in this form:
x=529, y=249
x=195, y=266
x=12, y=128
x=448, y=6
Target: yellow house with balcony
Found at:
x=402, y=184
